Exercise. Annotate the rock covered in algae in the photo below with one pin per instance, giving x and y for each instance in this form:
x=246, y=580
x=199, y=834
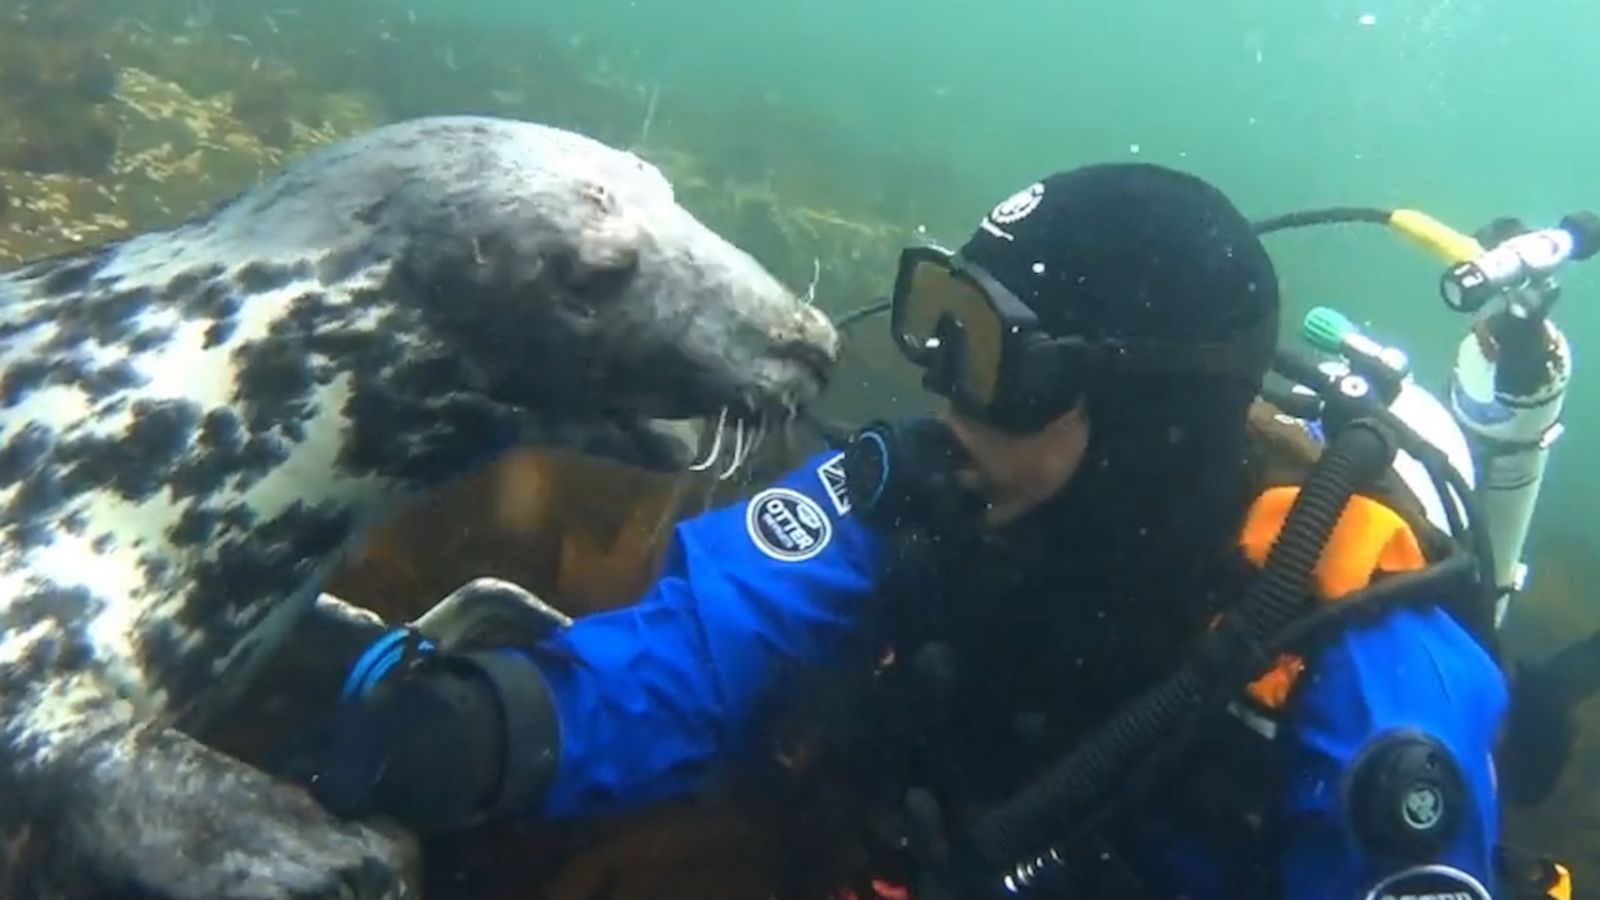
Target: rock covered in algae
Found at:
x=55, y=80
x=175, y=155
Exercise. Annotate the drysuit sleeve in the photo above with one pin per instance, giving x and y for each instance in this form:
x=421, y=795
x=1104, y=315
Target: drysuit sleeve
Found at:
x=649, y=697
x=1390, y=783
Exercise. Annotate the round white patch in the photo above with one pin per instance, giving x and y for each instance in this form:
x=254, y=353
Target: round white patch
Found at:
x=1435, y=882
x=1017, y=206
x=787, y=525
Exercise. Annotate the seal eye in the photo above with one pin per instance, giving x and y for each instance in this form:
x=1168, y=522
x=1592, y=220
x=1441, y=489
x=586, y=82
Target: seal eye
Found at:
x=592, y=280
x=601, y=198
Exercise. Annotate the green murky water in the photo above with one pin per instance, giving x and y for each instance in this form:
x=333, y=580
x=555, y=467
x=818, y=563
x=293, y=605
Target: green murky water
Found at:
x=830, y=132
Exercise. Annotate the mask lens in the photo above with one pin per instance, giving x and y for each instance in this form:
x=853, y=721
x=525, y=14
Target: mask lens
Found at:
x=942, y=319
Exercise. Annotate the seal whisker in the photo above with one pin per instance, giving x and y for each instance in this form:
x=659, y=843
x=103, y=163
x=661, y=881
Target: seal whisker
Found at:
x=750, y=444
x=760, y=438
x=716, y=445
x=791, y=410
x=738, y=451
x=810, y=296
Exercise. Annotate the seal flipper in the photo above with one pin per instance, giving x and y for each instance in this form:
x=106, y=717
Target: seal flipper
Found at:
x=279, y=724
x=155, y=814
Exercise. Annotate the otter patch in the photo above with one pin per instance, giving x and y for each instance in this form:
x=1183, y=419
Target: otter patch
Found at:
x=787, y=525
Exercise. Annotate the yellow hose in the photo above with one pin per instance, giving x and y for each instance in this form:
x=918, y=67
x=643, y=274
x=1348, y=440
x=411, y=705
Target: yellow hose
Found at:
x=1435, y=236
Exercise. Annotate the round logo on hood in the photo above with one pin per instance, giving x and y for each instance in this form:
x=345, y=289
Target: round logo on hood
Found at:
x=1018, y=206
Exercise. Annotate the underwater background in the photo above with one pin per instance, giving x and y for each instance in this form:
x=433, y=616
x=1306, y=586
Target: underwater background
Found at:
x=823, y=136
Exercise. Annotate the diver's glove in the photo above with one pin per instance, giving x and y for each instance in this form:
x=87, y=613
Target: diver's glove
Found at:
x=903, y=474
x=442, y=740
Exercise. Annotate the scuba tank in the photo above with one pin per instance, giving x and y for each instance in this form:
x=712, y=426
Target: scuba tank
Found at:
x=1511, y=375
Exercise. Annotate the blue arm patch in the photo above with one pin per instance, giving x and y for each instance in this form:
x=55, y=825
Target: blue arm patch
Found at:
x=650, y=696
x=1416, y=669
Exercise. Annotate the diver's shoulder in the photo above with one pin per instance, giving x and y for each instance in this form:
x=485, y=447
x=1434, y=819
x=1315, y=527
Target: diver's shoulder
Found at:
x=1408, y=656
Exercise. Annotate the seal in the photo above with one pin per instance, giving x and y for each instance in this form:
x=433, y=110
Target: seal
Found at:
x=196, y=423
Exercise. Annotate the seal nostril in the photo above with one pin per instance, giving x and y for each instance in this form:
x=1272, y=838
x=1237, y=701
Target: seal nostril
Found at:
x=820, y=329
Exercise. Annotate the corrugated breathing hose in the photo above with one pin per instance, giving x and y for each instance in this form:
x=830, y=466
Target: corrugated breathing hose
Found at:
x=1234, y=653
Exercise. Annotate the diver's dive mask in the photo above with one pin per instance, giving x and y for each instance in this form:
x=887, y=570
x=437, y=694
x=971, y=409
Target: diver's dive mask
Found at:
x=985, y=351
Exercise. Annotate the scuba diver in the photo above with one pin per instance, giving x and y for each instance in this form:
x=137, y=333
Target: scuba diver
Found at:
x=1109, y=626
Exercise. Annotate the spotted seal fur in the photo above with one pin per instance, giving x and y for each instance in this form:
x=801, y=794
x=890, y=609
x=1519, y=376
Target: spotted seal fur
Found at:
x=194, y=423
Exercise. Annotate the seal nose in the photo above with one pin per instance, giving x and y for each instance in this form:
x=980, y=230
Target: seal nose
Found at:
x=809, y=338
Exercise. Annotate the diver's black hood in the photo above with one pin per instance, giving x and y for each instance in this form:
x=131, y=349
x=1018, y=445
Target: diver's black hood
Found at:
x=1131, y=251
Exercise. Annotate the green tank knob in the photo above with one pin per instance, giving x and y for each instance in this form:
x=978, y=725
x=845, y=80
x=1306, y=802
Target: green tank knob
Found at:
x=1327, y=329
x=1333, y=333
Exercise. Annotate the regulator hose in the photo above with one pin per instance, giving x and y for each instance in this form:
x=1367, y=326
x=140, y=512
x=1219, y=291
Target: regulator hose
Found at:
x=1232, y=654
x=1333, y=216
x=1431, y=233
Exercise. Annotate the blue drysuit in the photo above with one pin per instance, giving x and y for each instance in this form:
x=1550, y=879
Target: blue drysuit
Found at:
x=650, y=697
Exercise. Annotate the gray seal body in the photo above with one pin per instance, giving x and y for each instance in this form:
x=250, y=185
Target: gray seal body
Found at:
x=195, y=423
